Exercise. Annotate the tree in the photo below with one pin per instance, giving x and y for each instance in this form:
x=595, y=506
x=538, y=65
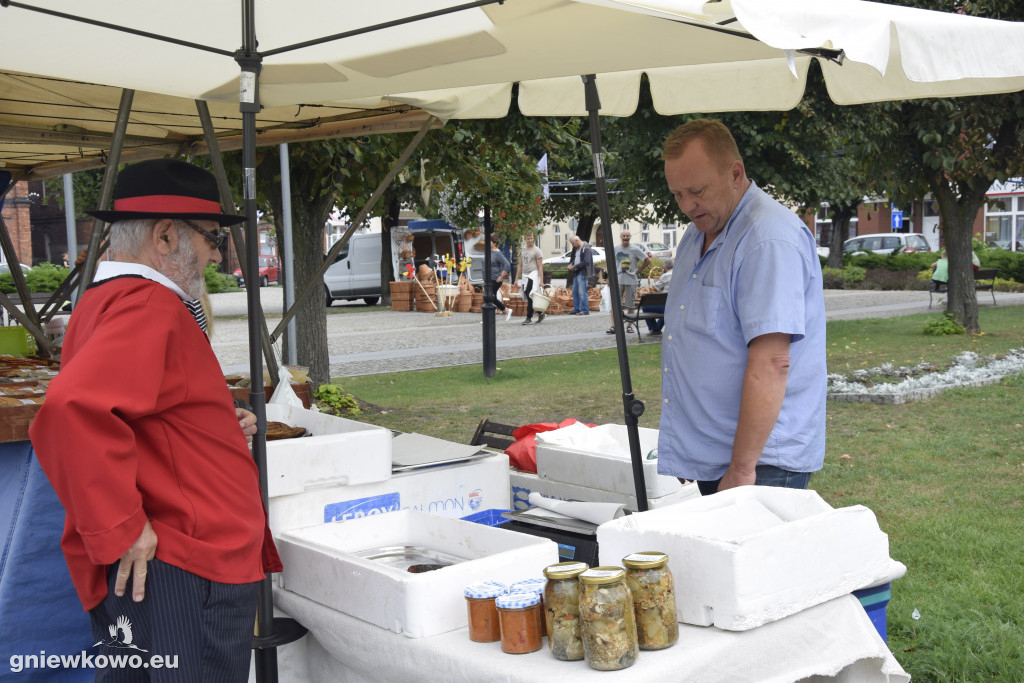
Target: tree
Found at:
x=955, y=149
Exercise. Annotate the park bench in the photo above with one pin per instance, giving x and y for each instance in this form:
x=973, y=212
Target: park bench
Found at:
x=649, y=299
x=988, y=274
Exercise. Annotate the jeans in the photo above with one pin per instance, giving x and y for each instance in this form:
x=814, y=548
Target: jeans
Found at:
x=654, y=324
x=767, y=475
x=580, y=304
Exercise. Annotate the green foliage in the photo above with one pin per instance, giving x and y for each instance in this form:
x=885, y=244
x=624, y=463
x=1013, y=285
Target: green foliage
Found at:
x=86, y=185
x=842, y=278
x=334, y=400
x=1009, y=263
x=217, y=282
x=45, y=277
x=913, y=261
x=944, y=325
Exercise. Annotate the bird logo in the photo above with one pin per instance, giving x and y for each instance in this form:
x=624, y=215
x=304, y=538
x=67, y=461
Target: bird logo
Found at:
x=121, y=635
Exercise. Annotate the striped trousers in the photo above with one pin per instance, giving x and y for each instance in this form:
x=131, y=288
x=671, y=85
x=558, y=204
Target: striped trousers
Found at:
x=187, y=628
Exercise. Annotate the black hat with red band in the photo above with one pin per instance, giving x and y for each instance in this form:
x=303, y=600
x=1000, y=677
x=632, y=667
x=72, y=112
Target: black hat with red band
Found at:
x=166, y=188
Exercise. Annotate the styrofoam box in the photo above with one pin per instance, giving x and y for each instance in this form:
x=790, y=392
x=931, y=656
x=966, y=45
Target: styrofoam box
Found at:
x=339, y=452
x=320, y=564
x=754, y=554
x=449, y=491
x=523, y=483
x=611, y=470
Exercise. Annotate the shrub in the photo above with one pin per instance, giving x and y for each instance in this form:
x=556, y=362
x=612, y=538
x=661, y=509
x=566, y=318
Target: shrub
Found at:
x=883, y=278
x=46, y=277
x=942, y=326
x=1009, y=263
x=217, y=282
x=844, y=278
x=913, y=261
x=334, y=400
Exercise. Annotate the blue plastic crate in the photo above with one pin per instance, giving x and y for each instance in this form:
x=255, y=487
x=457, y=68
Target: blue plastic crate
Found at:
x=874, y=601
x=490, y=517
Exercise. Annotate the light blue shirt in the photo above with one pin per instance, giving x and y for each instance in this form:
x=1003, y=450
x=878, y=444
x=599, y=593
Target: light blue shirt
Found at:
x=761, y=275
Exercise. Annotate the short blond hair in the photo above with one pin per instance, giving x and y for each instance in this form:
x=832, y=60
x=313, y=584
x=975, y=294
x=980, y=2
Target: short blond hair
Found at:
x=718, y=141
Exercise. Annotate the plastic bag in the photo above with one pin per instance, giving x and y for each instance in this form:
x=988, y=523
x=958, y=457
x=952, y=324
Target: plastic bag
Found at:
x=606, y=300
x=283, y=392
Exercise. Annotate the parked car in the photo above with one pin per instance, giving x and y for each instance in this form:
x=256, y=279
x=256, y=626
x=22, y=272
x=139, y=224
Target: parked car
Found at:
x=269, y=272
x=563, y=260
x=6, y=268
x=887, y=243
x=656, y=250
x=823, y=252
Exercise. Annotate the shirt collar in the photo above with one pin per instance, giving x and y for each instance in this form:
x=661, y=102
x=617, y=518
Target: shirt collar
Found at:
x=110, y=269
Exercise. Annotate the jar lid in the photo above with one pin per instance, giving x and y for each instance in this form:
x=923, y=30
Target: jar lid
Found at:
x=599, y=576
x=646, y=559
x=517, y=600
x=527, y=585
x=485, y=589
x=565, y=570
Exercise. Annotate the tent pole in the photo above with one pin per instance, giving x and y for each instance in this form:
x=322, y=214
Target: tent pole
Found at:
x=490, y=351
x=286, y=265
x=106, y=190
x=632, y=407
x=217, y=162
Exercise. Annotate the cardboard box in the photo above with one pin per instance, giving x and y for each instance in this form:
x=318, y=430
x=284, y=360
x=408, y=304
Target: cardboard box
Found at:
x=523, y=483
x=755, y=554
x=321, y=564
x=453, y=491
x=339, y=452
x=610, y=468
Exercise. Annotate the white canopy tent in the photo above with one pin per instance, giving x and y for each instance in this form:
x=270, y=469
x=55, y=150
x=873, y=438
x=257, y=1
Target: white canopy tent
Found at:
x=461, y=60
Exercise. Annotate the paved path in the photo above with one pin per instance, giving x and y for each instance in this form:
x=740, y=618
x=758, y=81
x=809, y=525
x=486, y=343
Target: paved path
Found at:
x=369, y=342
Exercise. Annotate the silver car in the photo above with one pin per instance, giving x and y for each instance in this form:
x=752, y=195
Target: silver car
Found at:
x=887, y=243
x=656, y=250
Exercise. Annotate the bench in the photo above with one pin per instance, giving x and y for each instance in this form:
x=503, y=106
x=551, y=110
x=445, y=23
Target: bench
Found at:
x=649, y=299
x=493, y=435
x=982, y=274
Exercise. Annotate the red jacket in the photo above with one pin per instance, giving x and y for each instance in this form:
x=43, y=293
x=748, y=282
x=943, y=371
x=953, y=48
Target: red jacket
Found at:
x=139, y=424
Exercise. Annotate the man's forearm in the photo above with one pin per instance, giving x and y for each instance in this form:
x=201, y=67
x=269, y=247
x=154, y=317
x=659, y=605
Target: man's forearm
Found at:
x=764, y=387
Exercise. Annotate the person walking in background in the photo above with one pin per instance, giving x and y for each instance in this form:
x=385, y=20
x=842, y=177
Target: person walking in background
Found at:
x=582, y=268
x=630, y=260
x=743, y=355
x=165, y=533
x=500, y=267
x=530, y=275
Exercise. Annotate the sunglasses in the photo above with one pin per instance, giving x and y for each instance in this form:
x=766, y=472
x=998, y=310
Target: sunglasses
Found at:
x=214, y=238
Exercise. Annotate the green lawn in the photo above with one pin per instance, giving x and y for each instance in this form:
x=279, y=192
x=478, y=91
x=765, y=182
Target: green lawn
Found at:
x=944, y=476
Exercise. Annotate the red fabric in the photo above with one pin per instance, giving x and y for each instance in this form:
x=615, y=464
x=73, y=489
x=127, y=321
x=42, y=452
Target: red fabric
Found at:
x=139, y=425
x=166, y=203
x=523, y=453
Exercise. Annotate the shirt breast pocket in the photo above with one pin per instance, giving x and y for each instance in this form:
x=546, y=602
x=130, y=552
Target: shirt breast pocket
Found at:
x=704, y=309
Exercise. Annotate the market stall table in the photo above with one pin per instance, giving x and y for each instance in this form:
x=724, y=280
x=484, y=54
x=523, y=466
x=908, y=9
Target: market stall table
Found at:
x=832, y=639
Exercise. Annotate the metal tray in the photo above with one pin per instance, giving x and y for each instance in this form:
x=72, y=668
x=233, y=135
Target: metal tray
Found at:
x=402, y=557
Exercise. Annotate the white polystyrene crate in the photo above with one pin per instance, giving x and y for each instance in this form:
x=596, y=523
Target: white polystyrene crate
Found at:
x=608, y=469
x=523, y=483
x=320, y=563
x=754, y=554
x=456, y=491
x=339, y=451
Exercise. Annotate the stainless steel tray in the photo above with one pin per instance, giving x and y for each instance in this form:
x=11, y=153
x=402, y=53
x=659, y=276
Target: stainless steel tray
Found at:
x=404, y=556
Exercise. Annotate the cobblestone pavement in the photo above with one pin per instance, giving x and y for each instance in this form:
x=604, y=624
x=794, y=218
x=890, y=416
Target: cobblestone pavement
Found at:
x=369, y=342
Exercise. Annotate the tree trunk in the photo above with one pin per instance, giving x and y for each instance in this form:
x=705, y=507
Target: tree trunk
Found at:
x=958, y=213
x=585, y=227
x=841, y=217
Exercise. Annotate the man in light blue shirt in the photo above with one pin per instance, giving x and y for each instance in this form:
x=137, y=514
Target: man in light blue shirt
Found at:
x=743, y=350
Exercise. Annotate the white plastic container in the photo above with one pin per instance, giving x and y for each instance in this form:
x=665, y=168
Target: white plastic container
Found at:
x=321, y=564
x=523, y=483
x=339, y=452
x=602, y=461
x=755, y=554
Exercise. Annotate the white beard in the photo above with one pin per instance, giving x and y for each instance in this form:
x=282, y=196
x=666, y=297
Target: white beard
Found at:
x=183, y=268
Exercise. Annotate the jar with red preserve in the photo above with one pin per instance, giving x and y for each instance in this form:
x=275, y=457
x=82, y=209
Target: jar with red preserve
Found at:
x=482, y=612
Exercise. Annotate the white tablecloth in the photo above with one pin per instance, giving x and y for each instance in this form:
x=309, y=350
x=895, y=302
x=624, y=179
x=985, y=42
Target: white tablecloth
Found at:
x=833, y=639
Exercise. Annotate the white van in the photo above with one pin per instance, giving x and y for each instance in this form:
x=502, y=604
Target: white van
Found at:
x=355, y=273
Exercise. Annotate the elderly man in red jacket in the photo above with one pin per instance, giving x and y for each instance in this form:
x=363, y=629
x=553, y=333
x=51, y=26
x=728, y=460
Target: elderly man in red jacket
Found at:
x=165, y=535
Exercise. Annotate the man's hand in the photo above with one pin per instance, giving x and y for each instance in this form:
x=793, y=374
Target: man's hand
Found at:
x=735, y=477
x=247, y=421
x=134, y=563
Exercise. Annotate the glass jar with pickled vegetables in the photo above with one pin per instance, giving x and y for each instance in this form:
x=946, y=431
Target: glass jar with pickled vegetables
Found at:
x=654, y=599
x=562, y=610
x=606, y=616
